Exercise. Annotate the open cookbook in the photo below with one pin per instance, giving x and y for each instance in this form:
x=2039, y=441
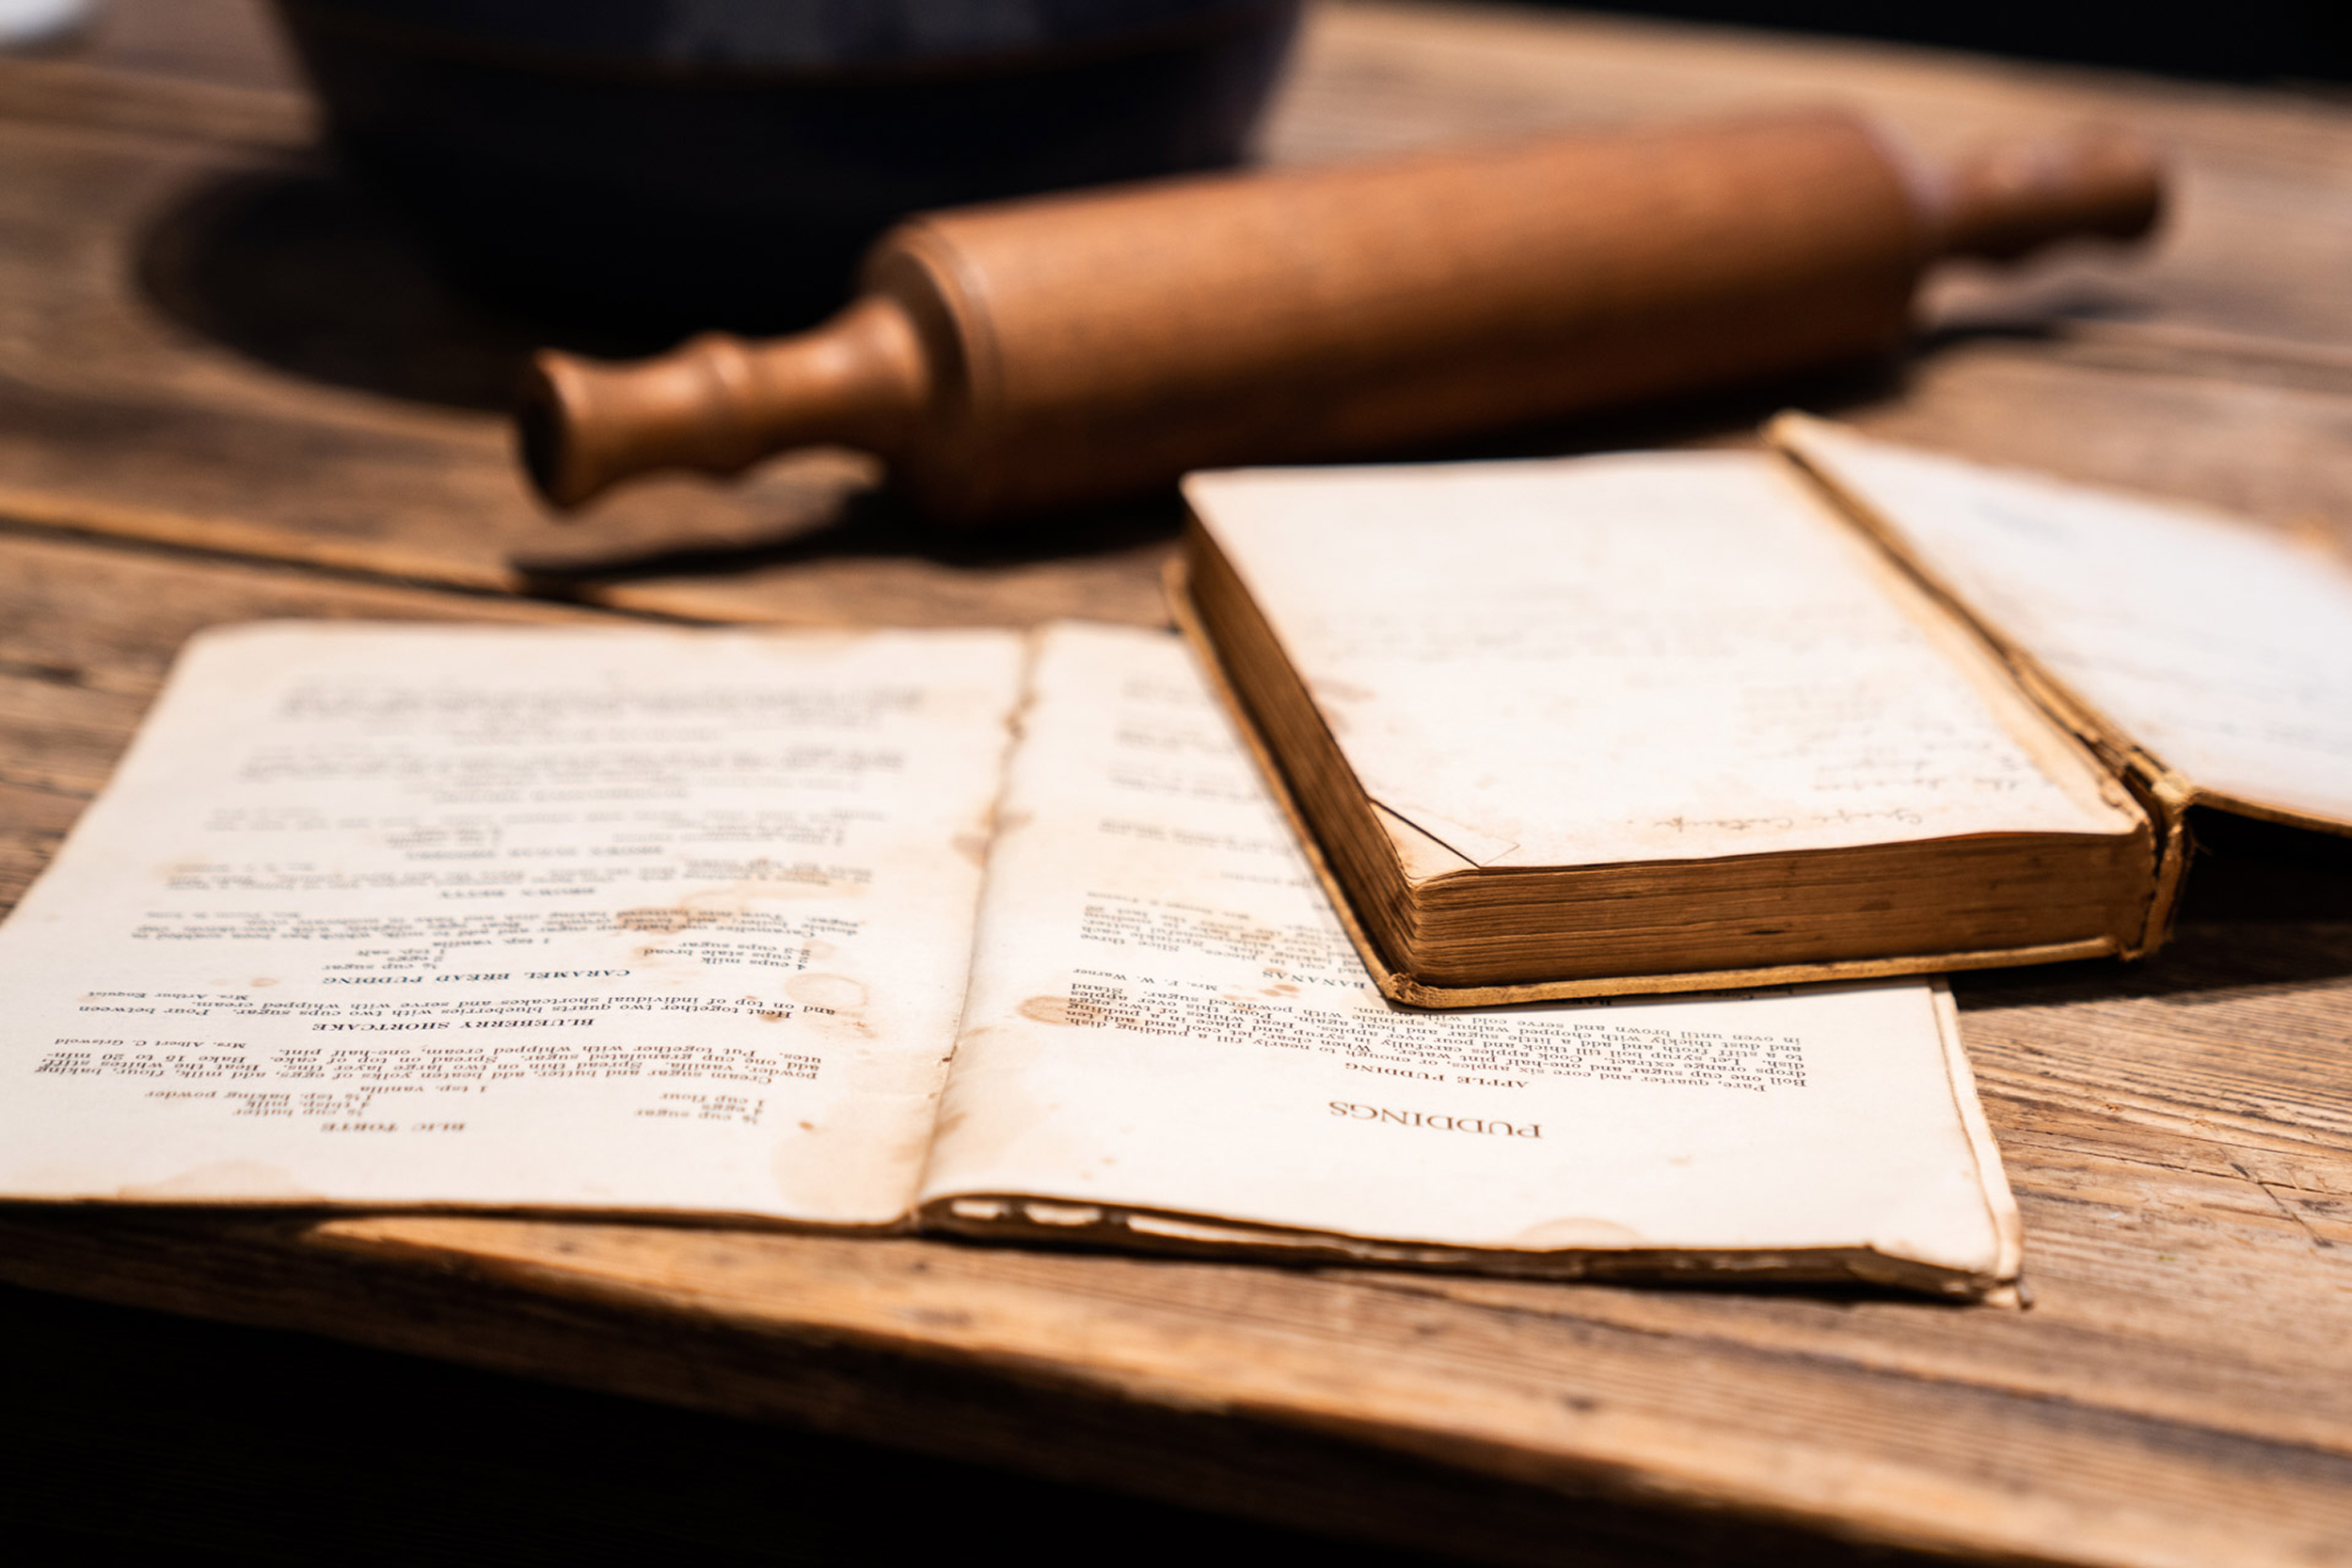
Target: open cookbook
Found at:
x=980, y=932
x=1679, y=720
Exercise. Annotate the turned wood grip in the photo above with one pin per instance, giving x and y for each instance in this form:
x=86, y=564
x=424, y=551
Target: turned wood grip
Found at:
x=2016, y=197
x=1014, y=357
x=719, y=404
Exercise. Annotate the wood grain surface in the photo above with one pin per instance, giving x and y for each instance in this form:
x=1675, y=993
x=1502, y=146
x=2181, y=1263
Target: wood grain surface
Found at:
x=228, y=392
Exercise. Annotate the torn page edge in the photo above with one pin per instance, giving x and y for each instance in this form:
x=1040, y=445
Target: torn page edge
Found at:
x=326, y=1214
x=1009, y=1216
x=1991, y=1179
x=2238, y=805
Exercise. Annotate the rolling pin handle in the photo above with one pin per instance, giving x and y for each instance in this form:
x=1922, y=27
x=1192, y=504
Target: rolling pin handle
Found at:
x=718, y=404
x=2012, y=198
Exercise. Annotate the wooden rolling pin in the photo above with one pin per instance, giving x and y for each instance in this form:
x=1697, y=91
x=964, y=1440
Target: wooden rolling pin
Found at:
x=1018, y=357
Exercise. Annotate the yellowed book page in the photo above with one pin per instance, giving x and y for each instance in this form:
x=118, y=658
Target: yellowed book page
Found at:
x=639, y=919
x=2222, y=650
x=1642, y=657
x=1166, y=1016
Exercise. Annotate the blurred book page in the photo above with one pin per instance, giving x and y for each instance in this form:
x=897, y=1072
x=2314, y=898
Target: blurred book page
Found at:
x=2223, y=651
x=637, y=919
x=1636, y=656
x=1165, y=1016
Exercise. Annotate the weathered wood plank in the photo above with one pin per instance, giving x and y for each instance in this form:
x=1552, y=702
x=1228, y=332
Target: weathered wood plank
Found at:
x=226, y=43
x=107, y=93
x=2269, y=450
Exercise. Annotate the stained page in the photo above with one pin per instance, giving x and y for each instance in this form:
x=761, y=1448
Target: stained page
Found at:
x=666, y=919
x=1165, y=1017
x=1645, y=656
x=2222, y=650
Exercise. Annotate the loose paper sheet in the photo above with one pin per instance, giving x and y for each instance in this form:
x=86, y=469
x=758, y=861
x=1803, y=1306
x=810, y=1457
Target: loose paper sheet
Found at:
x=642, y=919
x=2223, y=651
x=1650, y=656
x=1165, y=1015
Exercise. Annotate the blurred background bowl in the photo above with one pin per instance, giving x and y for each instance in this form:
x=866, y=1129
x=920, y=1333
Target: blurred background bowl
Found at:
x=722, y=163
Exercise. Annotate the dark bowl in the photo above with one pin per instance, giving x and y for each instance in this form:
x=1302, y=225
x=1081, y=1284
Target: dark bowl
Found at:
x=723, y=163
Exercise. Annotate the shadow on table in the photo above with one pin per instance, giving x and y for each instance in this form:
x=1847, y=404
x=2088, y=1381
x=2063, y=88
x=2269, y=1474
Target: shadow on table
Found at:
x=300, y=269
x=877, y=524
x=874, y=525
x=2267, y=909
x=204, y=1443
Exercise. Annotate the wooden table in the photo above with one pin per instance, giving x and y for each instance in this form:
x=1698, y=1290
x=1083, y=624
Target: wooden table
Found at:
x=228, y=389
